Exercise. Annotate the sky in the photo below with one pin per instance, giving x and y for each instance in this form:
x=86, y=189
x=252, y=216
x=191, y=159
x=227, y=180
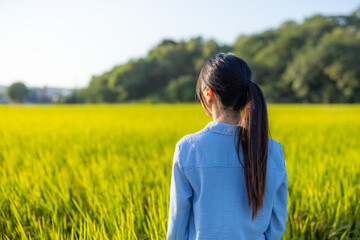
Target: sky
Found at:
x=64, y=43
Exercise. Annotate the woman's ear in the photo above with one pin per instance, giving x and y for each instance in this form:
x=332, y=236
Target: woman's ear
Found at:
x=209, y=94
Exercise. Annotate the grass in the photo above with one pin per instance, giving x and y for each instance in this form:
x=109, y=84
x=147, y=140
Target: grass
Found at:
x=103, y=171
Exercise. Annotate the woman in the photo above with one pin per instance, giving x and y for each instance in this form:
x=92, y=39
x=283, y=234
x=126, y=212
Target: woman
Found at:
x=229, y=180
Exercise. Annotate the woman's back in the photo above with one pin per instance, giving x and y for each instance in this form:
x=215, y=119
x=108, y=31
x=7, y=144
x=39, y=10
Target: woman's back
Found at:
x=208, y=191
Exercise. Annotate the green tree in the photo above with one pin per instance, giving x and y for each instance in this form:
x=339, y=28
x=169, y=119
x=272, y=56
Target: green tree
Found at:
x=17, y=91
x=99, y=90
x=181, y=89
x=329, y=72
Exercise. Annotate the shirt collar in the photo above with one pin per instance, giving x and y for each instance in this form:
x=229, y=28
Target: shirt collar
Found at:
x=221, y=127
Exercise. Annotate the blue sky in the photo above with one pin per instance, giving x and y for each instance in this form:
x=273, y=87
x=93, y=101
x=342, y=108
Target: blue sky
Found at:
x=63, y=43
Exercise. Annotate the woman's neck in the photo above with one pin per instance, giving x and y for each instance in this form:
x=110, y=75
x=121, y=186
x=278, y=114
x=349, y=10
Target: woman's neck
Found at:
x=233, y=118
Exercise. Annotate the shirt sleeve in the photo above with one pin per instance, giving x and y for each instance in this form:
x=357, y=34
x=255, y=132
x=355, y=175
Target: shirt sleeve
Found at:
x=277, y=224
x=180, y=201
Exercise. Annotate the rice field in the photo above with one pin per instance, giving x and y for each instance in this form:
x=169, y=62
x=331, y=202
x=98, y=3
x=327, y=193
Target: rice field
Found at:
x=103, y=171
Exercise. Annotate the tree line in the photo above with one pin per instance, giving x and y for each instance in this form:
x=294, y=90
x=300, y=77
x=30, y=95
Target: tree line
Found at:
x=316, y=61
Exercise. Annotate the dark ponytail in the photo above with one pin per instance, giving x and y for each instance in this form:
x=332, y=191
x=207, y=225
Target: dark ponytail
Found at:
x=253, y=137
x=231, y=79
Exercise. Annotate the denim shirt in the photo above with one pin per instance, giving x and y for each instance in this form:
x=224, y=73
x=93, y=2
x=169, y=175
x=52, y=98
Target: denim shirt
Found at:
x=208, y=196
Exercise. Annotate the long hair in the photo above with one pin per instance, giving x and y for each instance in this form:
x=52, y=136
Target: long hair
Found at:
x=231, y=79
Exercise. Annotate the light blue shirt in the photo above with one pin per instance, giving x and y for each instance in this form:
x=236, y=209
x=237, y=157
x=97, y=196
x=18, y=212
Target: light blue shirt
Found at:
x=208, y=196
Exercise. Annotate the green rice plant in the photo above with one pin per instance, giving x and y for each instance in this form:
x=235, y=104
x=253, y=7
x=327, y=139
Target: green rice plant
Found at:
x=103, y=171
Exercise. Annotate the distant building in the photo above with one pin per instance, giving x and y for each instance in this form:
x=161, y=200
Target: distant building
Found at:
x=40, y=95
x=3, y=98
